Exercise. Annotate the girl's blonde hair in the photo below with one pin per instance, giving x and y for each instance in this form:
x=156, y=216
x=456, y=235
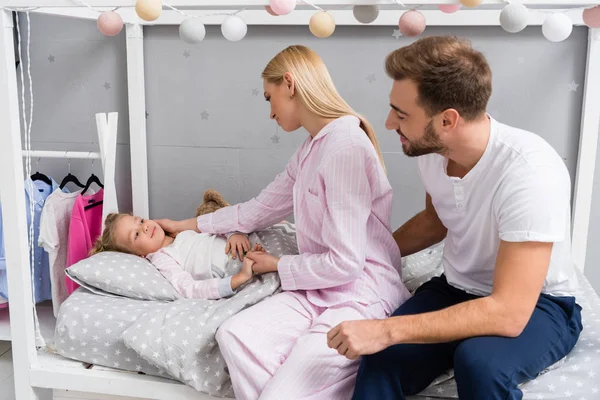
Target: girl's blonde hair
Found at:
x=314, y=86
x=107, y=241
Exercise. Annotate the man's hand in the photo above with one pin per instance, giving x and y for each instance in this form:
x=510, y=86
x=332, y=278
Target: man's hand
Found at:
x=264, y=262
x=237, y=244
x=353, y=339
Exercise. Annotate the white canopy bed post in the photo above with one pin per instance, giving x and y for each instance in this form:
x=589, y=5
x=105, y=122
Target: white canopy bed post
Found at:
x=137, y=119
x=588, y=145
x=13, y=214
x=107, y=135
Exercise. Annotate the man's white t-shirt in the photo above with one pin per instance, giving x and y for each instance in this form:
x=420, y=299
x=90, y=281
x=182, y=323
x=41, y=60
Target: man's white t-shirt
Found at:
x=520, y=190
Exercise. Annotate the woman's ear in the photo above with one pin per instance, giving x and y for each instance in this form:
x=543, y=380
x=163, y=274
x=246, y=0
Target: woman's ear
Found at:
x=288, y=79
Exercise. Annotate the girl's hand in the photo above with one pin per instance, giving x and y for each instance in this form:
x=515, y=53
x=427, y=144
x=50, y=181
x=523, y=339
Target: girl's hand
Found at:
x=246, y=271
x=244, y=275
x=264, y=262
x=258, y=247
x=237, y=244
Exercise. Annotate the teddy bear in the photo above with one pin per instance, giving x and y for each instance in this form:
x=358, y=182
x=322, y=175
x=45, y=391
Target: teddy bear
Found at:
x=213, y=200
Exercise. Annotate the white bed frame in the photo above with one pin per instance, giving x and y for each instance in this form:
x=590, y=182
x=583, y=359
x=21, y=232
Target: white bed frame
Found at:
x=35, y=368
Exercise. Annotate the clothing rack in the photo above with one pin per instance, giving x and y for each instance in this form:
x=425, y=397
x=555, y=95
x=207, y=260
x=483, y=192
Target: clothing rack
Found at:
x=60, y=154
x=107, y=135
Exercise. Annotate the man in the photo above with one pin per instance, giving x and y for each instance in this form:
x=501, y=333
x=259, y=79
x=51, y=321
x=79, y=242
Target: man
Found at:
x=504, y=309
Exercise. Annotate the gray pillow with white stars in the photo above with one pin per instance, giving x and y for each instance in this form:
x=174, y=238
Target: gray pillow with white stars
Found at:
x=124, y=275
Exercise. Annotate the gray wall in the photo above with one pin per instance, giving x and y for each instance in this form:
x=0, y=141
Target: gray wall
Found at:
x=208, y=124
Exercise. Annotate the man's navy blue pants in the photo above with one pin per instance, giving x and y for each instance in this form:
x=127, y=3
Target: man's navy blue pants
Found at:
x=487, y=367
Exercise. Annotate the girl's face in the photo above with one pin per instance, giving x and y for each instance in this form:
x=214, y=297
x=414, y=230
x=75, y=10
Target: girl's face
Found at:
x=284, y=109
x=140, y=236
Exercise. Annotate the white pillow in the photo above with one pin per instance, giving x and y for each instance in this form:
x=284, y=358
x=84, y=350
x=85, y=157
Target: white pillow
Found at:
x=420, y=267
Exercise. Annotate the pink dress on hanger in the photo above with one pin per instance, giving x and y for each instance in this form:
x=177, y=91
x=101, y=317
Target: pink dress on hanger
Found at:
x=85, y=228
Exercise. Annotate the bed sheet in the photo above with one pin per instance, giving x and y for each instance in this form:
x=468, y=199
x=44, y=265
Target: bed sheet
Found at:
x=89, y=328
x=576, y=376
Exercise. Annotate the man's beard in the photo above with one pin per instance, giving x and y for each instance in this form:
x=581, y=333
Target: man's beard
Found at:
x=429, y=143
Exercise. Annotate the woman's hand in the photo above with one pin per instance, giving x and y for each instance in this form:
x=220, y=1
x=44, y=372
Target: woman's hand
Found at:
x=237, y=244
x=263, y=262
x=174, y=227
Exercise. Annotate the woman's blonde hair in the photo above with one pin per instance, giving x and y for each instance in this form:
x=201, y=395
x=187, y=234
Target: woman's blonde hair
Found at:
x=107, y=241
x=314, y=86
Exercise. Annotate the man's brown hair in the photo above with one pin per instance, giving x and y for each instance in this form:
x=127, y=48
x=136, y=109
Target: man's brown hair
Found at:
x=448, y=73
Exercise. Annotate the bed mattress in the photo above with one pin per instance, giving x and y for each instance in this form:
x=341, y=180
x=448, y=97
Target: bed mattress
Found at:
x=90, y=326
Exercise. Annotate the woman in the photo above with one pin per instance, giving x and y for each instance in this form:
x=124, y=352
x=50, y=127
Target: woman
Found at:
x=335, y=184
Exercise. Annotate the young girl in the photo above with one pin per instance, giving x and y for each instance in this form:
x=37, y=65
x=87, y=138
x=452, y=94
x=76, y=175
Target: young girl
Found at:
x=194, y=263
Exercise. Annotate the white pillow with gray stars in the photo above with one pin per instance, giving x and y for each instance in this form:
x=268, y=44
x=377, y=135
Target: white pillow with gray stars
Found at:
x=122, y=274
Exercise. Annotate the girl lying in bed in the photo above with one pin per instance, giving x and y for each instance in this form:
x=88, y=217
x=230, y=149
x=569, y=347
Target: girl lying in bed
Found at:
x=194, y=263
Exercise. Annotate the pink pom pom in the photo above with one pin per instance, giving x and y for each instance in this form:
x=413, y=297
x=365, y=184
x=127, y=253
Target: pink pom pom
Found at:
x=412, y=23
x=110, y=23
x=449, y=8
x=270, y=11
x=591, y=17
x=282, y=7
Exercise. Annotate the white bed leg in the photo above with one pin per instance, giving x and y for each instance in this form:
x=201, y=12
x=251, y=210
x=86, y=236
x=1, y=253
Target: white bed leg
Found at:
x=588, y=144
x=137, y=120
x=15, y=219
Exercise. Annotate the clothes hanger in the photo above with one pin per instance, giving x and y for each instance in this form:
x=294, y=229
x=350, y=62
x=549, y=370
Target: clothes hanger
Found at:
x=70, y=178
x=92, y=179
x=38, y=176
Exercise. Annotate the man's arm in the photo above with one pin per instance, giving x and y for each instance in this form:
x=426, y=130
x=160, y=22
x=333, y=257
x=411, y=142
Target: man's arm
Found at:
x=421, y=231
x=521, y=269
x=520, y=272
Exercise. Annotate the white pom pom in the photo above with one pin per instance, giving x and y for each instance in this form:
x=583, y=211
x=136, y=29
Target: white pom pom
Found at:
x=192, y=30
x=234, y=28
x=557, y=27
x=514, y=17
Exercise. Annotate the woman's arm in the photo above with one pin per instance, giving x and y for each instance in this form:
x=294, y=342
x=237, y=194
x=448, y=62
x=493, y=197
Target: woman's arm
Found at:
x=273, y=204
x=348, y=192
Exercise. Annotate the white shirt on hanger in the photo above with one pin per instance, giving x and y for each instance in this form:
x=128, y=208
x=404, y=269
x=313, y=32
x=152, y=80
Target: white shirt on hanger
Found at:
x=54, y=235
